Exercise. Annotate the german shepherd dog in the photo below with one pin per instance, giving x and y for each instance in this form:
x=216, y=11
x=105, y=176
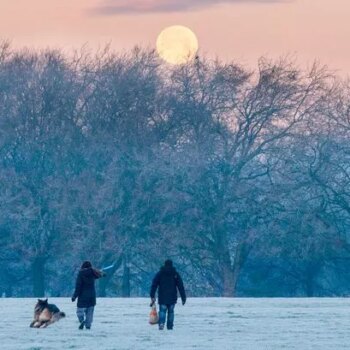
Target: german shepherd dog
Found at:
x=45, y=314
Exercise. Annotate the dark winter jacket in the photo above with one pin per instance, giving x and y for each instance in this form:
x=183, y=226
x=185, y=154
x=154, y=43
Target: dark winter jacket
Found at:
x=168, y=281
x=85, y=287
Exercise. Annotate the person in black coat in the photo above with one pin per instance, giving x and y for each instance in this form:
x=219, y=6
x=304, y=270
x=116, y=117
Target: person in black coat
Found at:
x=168, y=282
x=85, y=292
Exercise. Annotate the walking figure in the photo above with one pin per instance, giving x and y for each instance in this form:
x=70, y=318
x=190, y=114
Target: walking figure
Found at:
x=168, y=282
x=86, y=293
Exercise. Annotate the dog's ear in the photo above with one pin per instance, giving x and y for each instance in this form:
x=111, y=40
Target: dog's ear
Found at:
x=46, y=300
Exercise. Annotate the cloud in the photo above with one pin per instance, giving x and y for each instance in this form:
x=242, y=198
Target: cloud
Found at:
x=110, y=7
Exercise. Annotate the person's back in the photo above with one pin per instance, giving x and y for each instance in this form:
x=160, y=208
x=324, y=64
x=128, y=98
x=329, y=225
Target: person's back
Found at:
x=168, y=282
x=86, y=293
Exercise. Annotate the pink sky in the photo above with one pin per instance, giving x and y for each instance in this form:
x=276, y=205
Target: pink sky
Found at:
x=238, y=30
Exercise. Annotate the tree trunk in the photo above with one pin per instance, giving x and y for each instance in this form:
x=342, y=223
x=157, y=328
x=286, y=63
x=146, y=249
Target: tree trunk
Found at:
x=9, y=291
x=104, y=282
x=241, y=254
x=228, y=282
x=226, y=269
x=311, y=274
x=38, y=279
x=126, y=281
x=309, y=288
x=102, y=287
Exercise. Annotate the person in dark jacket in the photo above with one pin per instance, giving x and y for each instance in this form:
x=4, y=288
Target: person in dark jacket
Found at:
x=168, y=282
x=86, y=293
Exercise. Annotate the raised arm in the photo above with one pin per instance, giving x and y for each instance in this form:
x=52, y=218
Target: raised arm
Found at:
x=98, y=273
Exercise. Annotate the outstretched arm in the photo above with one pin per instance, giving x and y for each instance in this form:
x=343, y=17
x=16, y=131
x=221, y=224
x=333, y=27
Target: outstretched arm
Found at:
x=99, y=273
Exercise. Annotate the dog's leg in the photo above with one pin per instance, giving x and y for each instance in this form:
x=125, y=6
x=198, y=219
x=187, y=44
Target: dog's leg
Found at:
x=48, y=323
x=54, y=319
x=32, y=324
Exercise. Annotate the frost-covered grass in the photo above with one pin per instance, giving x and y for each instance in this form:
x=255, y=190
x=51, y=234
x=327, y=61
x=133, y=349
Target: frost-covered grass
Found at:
x=202, y=324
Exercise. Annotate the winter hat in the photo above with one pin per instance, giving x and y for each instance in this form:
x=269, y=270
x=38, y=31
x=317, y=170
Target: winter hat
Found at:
x=86, y=265
x=168, y=263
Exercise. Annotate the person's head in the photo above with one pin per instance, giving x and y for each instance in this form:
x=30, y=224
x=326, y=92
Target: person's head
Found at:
x=168, y=263
x=86, y=265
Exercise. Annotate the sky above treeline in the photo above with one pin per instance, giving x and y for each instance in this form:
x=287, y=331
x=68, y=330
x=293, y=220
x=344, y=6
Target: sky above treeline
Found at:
x=239, y=30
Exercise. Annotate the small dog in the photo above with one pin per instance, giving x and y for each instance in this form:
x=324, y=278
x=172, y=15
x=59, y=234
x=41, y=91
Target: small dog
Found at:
x=46, y=314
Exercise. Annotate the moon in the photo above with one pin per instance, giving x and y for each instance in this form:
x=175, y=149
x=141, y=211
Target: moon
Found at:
x=177, y=45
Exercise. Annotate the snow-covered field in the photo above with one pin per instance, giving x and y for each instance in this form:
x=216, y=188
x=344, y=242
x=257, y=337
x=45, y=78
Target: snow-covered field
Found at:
x=202, y=324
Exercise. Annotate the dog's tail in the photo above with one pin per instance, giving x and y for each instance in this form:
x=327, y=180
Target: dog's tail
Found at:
x=58, y=315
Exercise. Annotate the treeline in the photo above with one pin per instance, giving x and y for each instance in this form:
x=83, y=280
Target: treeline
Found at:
x=241, y=177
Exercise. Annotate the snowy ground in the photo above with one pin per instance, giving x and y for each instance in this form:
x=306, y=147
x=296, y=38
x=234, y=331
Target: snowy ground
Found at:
x=202, y=324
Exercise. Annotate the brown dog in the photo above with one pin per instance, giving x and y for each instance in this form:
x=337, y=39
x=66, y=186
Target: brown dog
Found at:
x=46, y=314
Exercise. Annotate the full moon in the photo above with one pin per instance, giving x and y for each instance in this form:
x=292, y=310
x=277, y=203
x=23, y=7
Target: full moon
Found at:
x=177, y=45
